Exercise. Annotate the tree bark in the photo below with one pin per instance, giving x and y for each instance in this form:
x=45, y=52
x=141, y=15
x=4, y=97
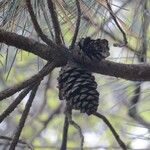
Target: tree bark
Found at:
x=60, y=54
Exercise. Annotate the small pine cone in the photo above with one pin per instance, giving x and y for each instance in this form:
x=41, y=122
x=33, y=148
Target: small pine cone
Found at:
x=78, y=87
x=94, y=49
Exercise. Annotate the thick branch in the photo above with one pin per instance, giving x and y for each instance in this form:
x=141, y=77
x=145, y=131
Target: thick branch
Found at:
x=126, y=71
x=60, y=54
x=49, y=53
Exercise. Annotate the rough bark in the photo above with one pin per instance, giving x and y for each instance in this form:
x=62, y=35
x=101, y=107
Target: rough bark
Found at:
x=60, y=54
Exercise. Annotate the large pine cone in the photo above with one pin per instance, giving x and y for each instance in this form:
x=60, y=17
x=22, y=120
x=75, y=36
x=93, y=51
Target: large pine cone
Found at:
x=78, y=87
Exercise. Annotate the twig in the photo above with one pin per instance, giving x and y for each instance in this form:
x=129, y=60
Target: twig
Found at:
x=19, y=141
x=65, y=134
x=14, y=104
x=55, y=21
x=36, y=78
x=135, y=99
x=55, y=112
x=23, y=118
x=47, y=121
x=144, y=26
x=115, y=20
x=132, y=108
x=74, y=124
x=111, y=35
x=47, y=86
x=36, y=24
x=47, y=19
x=77, y=25
x=115, y=13
x=120, y=142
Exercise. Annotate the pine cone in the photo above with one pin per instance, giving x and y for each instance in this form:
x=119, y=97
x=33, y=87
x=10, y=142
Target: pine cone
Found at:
x=94, y=49
x=78, y=87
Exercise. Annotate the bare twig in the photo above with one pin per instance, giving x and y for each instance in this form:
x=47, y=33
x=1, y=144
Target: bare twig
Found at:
x=111, y=35
x=65, y=134
x=23, y=118
x=115, y=20
x=55, y=112
x=47, y=86
x=132, y=108
x=47, y=19
x=144, y=26
x=36, y=78
x=36, y=25
x=19, y=141
x=117, y=137
x=14, y=104
x=55, y=21
x=115, y=13
x=74, y=124
x=77, y=25
x=47, y=121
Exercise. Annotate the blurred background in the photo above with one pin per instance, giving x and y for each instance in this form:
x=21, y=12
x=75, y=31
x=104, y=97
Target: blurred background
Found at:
x=125, y=103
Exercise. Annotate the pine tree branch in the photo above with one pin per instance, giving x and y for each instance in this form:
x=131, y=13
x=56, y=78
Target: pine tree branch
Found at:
x=49, y=53
x=112, y=36
x=126, y=71
x=36, y=24
x=73, y=123
x=120, y=8
x=23, y=117
x=47, y=121
x=60, y=55
x=14, y=104
x=115, y=20
x=19, y=141
x=32, y=80
x=76, y=126
x=132, y=108
x=117, y=137
x=65, y=134
x=77, y=25
x=21, y=42
x=55, y=21
x=45, y=98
